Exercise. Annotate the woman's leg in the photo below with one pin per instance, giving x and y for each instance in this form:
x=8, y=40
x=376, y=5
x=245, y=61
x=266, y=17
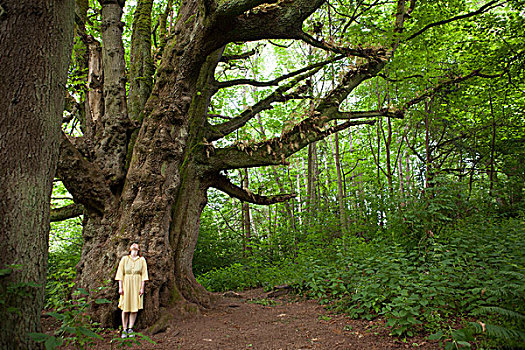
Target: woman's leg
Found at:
x=125, y=320
x=132, y=318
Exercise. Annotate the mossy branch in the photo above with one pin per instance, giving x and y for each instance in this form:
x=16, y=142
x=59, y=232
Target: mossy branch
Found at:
x=222, y=183
x=67, y=212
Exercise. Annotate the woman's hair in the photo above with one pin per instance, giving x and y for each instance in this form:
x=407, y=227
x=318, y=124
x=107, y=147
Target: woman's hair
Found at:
x=129, y=249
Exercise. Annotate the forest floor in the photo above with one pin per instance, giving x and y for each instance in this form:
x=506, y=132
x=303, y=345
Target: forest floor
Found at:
x=252, y=320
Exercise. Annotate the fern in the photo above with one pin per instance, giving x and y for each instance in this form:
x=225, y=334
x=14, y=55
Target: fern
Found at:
x=498, y=331
x=509, y=335
x=483, y=310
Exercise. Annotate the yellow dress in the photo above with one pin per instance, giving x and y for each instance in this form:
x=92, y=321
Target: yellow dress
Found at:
x=131, y=273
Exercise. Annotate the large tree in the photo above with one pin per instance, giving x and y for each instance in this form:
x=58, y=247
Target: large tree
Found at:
x=35, y=49
x=146, y=159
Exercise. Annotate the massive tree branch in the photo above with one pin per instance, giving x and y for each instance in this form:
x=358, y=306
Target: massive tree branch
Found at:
x=234, y=8
x=222, y=183
x=250, y=20
x=353, y=78
x=219, y=131
x=114, y=125
x=276, y=150
x=311, y=129
x=141, y=62
x=83, y=179
x=67, y=212
x=238, y=57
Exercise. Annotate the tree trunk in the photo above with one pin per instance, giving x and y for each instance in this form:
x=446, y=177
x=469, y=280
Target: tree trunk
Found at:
x=429, y=174
x=492, y=173
x=33, y=95
x=340, y=188
x=246, y=217
x=401, y=175
x=312, y=181
x=388, y=144
x=161, y=201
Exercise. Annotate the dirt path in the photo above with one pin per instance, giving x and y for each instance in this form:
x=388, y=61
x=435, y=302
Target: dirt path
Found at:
x=253, y=321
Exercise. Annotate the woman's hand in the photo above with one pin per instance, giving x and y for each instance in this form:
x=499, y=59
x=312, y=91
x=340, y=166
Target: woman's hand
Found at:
x=141, y=291
x=120, y=291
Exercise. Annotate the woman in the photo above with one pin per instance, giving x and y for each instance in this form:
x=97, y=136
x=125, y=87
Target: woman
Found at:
x=131, y=275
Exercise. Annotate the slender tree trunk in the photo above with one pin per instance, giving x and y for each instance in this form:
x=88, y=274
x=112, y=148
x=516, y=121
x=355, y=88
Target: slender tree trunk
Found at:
x=429, y=174
x=401, y=175
x=35, y=48
x=246, y=219
x=340, y=189
x=378, y=163
x=163, y=27
x=298, y=166
x=388, y=143
x=492, y=174
x=312, y=181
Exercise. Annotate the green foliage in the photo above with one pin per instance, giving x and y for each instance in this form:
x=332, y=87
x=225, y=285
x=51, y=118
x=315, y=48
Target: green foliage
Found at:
x=65, y=248
x=76, y=326
x=414, y=287
x=217, y=246
x=501, y=326
x=130, y=342
x=250, y=275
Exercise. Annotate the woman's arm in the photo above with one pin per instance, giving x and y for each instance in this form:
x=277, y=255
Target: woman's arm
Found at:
x=142, y=287
x=120, y=276
x=145, y=276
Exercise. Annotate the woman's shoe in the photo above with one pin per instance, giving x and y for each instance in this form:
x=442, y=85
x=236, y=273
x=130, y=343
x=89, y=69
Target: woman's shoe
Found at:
x=130, y=333
x=124, y=333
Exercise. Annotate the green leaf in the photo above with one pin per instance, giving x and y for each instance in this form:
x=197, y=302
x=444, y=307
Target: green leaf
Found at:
x=436, y=336
x=5, y=272
x=89, y=332
x=38, y=337
x=102, y=301
x=72, y=330
x=52, y=343
x=56, y=315
x=83, y=291
x=463, y=343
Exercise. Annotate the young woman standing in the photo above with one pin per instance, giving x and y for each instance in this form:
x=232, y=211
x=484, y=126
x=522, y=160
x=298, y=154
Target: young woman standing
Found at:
x=131, y=275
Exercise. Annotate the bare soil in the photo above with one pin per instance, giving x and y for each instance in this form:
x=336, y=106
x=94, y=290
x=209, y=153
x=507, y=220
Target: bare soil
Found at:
x=252, y=320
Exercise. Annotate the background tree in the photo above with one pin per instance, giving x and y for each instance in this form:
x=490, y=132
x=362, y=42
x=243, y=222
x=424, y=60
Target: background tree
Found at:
x=35, y=48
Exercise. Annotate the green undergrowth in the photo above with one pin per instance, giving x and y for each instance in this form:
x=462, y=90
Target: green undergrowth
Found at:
x=453, y=285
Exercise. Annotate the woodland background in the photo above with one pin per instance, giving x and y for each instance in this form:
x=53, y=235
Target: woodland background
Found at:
x=414, y=218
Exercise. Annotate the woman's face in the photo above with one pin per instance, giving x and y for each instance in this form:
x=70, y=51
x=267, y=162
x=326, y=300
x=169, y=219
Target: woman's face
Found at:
x=134, y=246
